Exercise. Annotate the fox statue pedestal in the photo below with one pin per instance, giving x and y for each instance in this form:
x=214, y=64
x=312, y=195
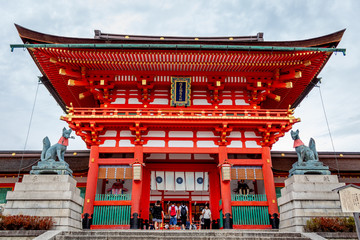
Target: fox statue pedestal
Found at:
x=308, y=196
x=55, y=196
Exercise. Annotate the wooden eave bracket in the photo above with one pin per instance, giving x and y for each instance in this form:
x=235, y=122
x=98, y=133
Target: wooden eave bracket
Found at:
x=215, y=87
x=145, y=84
x=138, y=131
x=223, y=132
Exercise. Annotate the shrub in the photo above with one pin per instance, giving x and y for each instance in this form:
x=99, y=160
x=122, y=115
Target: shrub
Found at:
x=23, y=222
x=330, y=224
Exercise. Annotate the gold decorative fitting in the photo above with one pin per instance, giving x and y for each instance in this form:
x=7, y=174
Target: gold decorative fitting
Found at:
x=231, y=39
x=258, y=84
x=127, y=37
x=283, y=154
x=289, y=85
x=53, y=60
x=341, y=155
x=143, y=82
x=298, y=74
x=13, y=154
x=102, y=82
x=75, y=153
x=196, y=39
x=162, y=38
x=88, y=200
x=218, y=83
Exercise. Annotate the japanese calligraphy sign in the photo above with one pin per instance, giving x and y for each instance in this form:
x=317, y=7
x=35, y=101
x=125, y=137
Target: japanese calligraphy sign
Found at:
x=180, y=91
x=350, y=199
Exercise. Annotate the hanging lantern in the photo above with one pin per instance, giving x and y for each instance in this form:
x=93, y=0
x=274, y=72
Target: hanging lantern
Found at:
x=226, y=172
x=137, y=171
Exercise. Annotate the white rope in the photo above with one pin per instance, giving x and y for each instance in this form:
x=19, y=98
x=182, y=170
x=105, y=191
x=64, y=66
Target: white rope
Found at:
x=28, y=132
x=327, y=123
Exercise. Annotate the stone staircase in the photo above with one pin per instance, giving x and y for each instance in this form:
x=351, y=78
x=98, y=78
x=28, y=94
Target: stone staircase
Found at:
x=176, y=234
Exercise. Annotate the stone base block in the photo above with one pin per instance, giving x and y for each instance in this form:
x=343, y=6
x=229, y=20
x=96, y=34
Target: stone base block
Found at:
x=308, y=196
x=47, y=195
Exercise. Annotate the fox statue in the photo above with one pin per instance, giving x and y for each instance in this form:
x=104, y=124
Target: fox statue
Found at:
x=304, y=153
x=50, y=152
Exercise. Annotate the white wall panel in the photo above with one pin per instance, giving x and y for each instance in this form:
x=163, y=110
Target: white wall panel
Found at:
x=252, y=144
x=205, y=144
x=109, y=143
x=236, y=144
x=109, y=133
x=181, y=134
x=119, y=101
x=204, y=134
x=181, y=144
x=126, y=133
x=125, y=143
x=155, y=143
x=197, y=102
x=241, y=102
x=156, y=134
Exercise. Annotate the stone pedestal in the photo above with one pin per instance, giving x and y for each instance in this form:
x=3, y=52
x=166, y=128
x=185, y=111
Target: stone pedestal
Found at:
x=47, y=195
x=307, y=196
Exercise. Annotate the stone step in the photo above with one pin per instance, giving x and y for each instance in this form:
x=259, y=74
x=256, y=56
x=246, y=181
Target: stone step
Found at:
x=80, y=237
x=181, y=235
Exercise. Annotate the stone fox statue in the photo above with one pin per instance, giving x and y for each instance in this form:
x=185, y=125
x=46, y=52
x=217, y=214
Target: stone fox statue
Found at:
x=50, y=152
x=304, y=153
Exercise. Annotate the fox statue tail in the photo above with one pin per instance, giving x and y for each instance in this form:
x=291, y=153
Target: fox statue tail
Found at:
x=312, y=146
x=46, y=146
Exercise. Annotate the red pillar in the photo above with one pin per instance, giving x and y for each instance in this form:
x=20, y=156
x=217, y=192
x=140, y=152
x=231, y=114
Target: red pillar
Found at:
x=136, y=192
x=91, y=184
x=225, y=190
x=269, y=181
x=214, y=190
x=145, y=196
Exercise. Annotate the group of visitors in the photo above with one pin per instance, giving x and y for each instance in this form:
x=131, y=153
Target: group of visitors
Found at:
x=181, y=212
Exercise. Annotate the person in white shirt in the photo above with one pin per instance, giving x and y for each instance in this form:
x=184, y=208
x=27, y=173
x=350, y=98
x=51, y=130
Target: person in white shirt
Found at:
x=173, y=212
x=206, y=214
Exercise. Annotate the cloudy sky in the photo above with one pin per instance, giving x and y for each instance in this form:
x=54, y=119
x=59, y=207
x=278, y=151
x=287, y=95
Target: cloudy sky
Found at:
x=279, y=20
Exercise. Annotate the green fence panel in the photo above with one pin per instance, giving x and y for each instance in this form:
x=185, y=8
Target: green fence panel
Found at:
x=250, y=215
x=248, y=197
x=112, y=197
x=221, y=219
x=3, y=192
x=111, y=215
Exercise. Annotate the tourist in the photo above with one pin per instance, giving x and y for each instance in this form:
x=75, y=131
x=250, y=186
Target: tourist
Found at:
x=158, y=214
x=183, y=214
x=173, y=212
x=206, y=214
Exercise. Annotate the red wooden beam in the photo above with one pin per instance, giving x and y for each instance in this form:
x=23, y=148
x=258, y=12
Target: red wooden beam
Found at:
x=115, y=161
x=246, y=162
x=180, y=167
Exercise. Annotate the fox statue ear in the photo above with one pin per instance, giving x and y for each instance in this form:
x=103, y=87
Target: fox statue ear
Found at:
x=64, y=129
x=297, y=131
